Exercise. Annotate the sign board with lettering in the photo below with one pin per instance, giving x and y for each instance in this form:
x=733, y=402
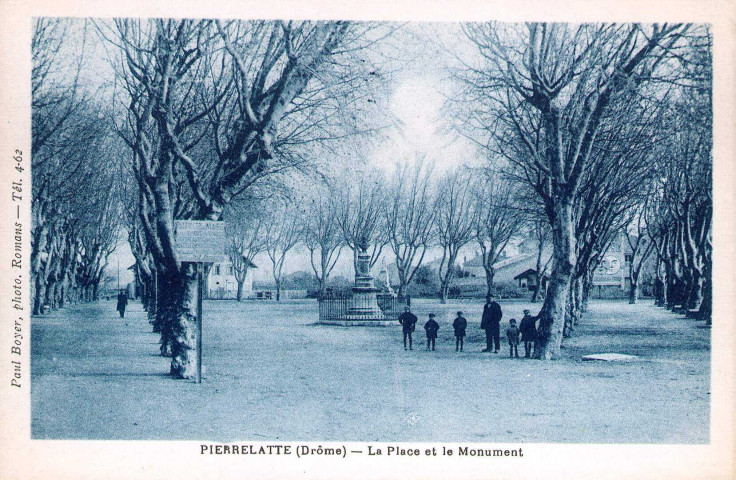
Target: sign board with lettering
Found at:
x=200, y=241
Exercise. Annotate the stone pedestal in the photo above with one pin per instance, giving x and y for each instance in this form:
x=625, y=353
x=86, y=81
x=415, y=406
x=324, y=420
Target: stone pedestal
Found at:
x=364, y=309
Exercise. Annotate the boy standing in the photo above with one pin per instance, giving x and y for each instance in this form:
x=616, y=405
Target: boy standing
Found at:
x=528, y=332
x=512, y=333
x=408, y=322
x=460, y=324
x=431, y=328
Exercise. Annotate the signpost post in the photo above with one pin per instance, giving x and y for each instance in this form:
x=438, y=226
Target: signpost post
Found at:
x=200, y=297
x=201, y=242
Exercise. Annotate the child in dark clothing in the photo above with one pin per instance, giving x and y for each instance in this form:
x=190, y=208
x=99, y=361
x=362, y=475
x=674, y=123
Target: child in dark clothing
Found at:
x=512, y=333
x=528, y=332
x=460, y=324
x=431, y=328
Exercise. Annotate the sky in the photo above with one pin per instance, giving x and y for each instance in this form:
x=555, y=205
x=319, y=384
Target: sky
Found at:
x=422, y=129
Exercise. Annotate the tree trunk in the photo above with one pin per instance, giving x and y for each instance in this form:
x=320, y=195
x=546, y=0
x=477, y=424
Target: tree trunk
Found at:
x=162, y=304
x=183, y=323
x=535, y=292
x=633, y=291
x=552, y=315
x=585, y=294
x=573, y=311
x=240, y=290
x=49, y=294
x=444, y=284
x=670, y=288
x=38, y=296
x=569, y=314
x=278, y=290
x=539, y=275
x=663, y=293
x=577, y=298
x=443, y=292
x=490, y=274
x=695, y=297
x=706, y=306
x=402, y=282
x=57, y=295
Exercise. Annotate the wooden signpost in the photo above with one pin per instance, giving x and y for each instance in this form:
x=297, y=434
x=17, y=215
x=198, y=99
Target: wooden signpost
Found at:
x=203, y=243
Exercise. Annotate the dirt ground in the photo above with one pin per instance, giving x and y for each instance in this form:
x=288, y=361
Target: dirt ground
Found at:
x=273, y=374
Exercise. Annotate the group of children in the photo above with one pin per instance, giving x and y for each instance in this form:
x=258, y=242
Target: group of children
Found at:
x=526, y=332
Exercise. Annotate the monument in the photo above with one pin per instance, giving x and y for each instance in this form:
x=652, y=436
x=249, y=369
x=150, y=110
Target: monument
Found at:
x=364, y=309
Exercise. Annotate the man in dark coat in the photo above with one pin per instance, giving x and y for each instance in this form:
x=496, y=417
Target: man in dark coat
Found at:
x=491, y=323
x=528, y=331
x=431, y=327
x=122, y=303
x=408, y=322
x=459, y=324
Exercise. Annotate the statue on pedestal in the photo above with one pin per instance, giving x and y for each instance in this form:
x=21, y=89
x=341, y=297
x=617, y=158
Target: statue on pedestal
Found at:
x=364, y=304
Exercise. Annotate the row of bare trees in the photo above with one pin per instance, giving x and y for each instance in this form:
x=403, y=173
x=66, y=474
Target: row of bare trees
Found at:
x=678, y=216
x=582, y=114
x=401, y=216
x=75, y=206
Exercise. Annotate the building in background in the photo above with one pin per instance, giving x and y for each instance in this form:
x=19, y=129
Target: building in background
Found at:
x=222, y=284
x=516, y=271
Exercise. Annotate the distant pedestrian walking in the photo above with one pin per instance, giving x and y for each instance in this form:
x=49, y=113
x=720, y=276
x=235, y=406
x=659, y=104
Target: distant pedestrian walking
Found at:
x=459, y=324
x=408, y=323
x=431, y=327
x=491, y=323
x=528, y=331
x=122, y=302
x=512, y=334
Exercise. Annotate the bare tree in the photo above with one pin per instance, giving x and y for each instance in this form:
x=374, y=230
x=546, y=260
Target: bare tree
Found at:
x=360, y=214
x=453, y=222
x=322, y=234
x=409, y=212
x=283, y=231
x=541, y=235
x=551, y=90
x=258, y=94
x=246, y=230
x=496, y=218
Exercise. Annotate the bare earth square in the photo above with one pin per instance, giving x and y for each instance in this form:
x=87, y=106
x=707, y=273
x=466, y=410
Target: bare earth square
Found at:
x=273, y=374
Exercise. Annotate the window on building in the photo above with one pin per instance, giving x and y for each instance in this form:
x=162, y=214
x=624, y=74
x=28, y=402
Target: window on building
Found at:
x=628, y=258
x=217, y=269
x=230, y=270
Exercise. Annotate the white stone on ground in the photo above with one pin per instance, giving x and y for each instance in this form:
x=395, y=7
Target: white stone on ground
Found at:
x=611, y=357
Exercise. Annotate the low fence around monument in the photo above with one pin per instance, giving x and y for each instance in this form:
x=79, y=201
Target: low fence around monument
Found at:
x=334, y=307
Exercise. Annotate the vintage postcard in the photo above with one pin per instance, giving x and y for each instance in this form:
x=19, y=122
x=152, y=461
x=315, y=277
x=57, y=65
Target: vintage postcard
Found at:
x=367, y=240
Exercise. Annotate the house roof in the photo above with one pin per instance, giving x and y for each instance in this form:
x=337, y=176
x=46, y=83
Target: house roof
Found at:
x=526, y=273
